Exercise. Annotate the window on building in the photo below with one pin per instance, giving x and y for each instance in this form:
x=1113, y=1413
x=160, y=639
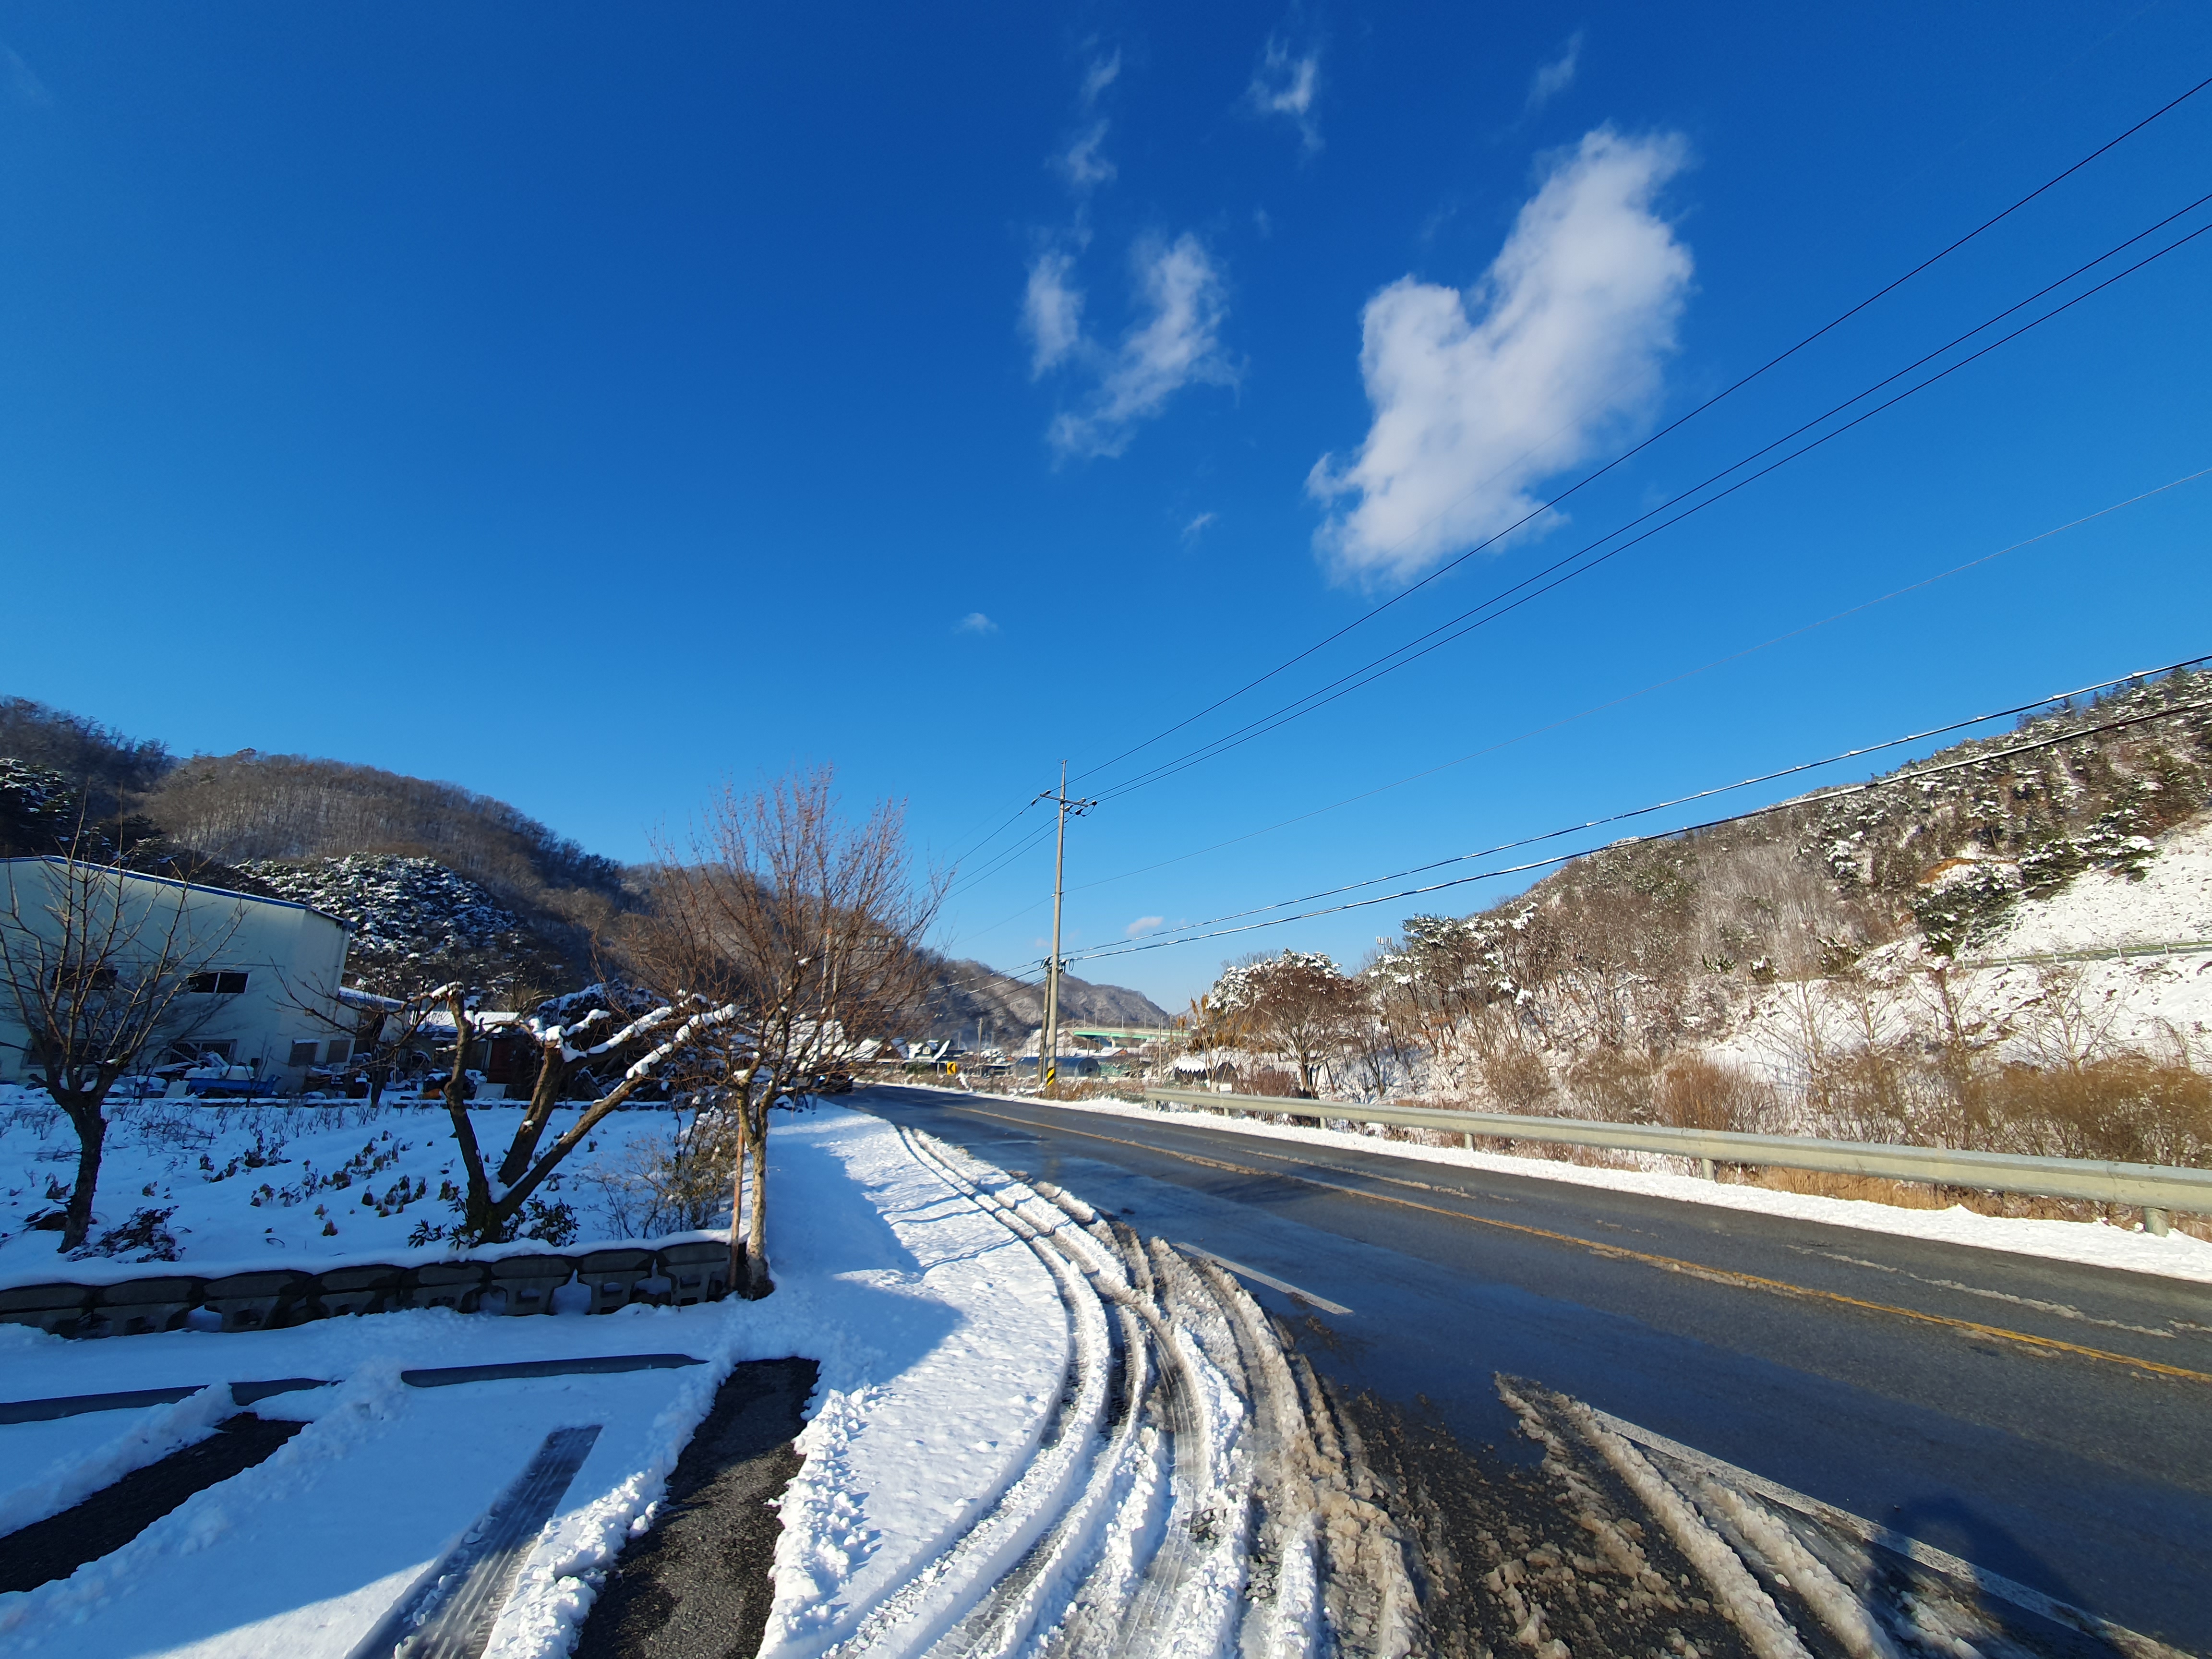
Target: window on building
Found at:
x=340, y=1050
x=303, y=1054
x=220, y=985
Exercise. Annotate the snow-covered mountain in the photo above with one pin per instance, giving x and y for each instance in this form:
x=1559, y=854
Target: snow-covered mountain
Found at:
x=972, y=1002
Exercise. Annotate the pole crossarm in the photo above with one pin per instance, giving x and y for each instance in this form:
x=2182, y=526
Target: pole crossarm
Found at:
x=2160, y=1188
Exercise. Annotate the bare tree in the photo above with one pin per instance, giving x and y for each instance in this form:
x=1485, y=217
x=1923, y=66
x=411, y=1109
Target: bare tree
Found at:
x=603, y=1023
x=95, y=960
x=811, y=925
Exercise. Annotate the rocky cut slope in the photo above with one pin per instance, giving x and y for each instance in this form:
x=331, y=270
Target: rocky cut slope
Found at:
x=414, y=921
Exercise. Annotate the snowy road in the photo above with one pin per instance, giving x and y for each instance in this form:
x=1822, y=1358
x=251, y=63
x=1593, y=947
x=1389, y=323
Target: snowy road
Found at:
x=1984, y=1403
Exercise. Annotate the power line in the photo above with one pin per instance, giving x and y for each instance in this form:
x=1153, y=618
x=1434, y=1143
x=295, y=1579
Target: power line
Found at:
x=1566, y=569
x=1000, y=860
x=1614, y=702
x=1672, y=426
x=1844, y=791
x=1639, y=841
x=1706, y=794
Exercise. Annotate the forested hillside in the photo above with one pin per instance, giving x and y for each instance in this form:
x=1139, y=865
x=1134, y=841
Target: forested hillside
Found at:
x=431, y=875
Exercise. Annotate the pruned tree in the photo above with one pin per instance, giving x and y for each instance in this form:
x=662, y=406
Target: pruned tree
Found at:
x=648, y=1037
x=1299, y=1004
x=811, y=925
x=94, y=963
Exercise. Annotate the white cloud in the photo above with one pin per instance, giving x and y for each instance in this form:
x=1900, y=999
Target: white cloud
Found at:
x=1556, y=76
x=1052, y=311
x=1196, y=527
x=1479, y=395
x=1142, y=925
x=1177, y=342
x=974, y=623
x=1284, y=85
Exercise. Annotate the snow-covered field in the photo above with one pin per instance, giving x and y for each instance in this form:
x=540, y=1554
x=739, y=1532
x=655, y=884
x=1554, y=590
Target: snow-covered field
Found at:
x=2095, y=1243
x=247, y=1187
x=945, y=1344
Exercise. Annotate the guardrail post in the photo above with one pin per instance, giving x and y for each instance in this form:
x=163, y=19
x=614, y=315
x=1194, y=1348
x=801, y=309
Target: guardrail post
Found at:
x=1705, y=1168
x=2156, y=1222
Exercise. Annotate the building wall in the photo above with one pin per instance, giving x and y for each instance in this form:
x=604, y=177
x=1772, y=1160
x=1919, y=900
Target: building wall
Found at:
x=293, y=957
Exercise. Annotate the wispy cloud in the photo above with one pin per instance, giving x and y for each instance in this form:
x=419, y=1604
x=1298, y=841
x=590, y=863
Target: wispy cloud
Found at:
x=974, y=623
x=1142, y=925
x=1085, y=164
x=1479, y=395
x=1556, y=76
x=23, y=86
x=1284, y=85
x=1101, y=74
x=1052, y=311
x=1196, y=527
x=1175, y=341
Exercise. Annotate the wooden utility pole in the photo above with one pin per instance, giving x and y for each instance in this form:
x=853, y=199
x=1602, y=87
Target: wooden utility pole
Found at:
x=1049, y=1043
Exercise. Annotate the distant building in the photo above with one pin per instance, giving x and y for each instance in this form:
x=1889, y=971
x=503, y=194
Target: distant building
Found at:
x=264, y=994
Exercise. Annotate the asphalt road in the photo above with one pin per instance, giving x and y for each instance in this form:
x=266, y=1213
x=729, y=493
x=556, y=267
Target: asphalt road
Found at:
x=2049, y=1422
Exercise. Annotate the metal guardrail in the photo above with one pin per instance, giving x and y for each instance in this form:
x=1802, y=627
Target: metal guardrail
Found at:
x=2158, y=1189
x=2187, y=947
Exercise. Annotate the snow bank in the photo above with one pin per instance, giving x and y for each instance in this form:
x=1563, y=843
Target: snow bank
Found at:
x=2095, y=1243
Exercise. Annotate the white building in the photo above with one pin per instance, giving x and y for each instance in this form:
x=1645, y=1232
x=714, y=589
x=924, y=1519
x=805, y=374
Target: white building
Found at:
x=264, y=974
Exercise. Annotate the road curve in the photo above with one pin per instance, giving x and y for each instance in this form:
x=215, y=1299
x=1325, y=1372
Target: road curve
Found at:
x=2046, y=1421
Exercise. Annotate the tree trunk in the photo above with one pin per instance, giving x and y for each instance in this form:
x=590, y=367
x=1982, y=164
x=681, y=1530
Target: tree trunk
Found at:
x=91, y=1125
x=756, y=1281
x=545, y=1096
x=480, y=1217
x=737, y=1211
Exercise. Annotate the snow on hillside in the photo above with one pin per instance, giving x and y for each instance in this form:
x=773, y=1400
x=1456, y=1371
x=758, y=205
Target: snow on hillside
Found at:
x=2169, y=903
x=2144, y=996
x=398, y=907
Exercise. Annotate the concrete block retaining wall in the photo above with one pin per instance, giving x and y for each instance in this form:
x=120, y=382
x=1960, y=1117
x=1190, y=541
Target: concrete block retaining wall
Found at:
x=592, y=1281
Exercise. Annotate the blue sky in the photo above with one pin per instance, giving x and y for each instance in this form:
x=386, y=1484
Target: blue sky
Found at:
x=588, y=405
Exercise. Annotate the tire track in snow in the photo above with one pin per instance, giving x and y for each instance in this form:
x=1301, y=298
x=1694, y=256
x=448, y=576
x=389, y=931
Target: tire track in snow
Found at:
x=911, y=1618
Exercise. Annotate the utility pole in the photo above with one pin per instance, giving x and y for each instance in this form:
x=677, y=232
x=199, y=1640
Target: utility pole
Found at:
x=1048, y=1046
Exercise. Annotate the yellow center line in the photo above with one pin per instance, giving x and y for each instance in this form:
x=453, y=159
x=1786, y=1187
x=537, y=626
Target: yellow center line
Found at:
x=1670, y=1264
